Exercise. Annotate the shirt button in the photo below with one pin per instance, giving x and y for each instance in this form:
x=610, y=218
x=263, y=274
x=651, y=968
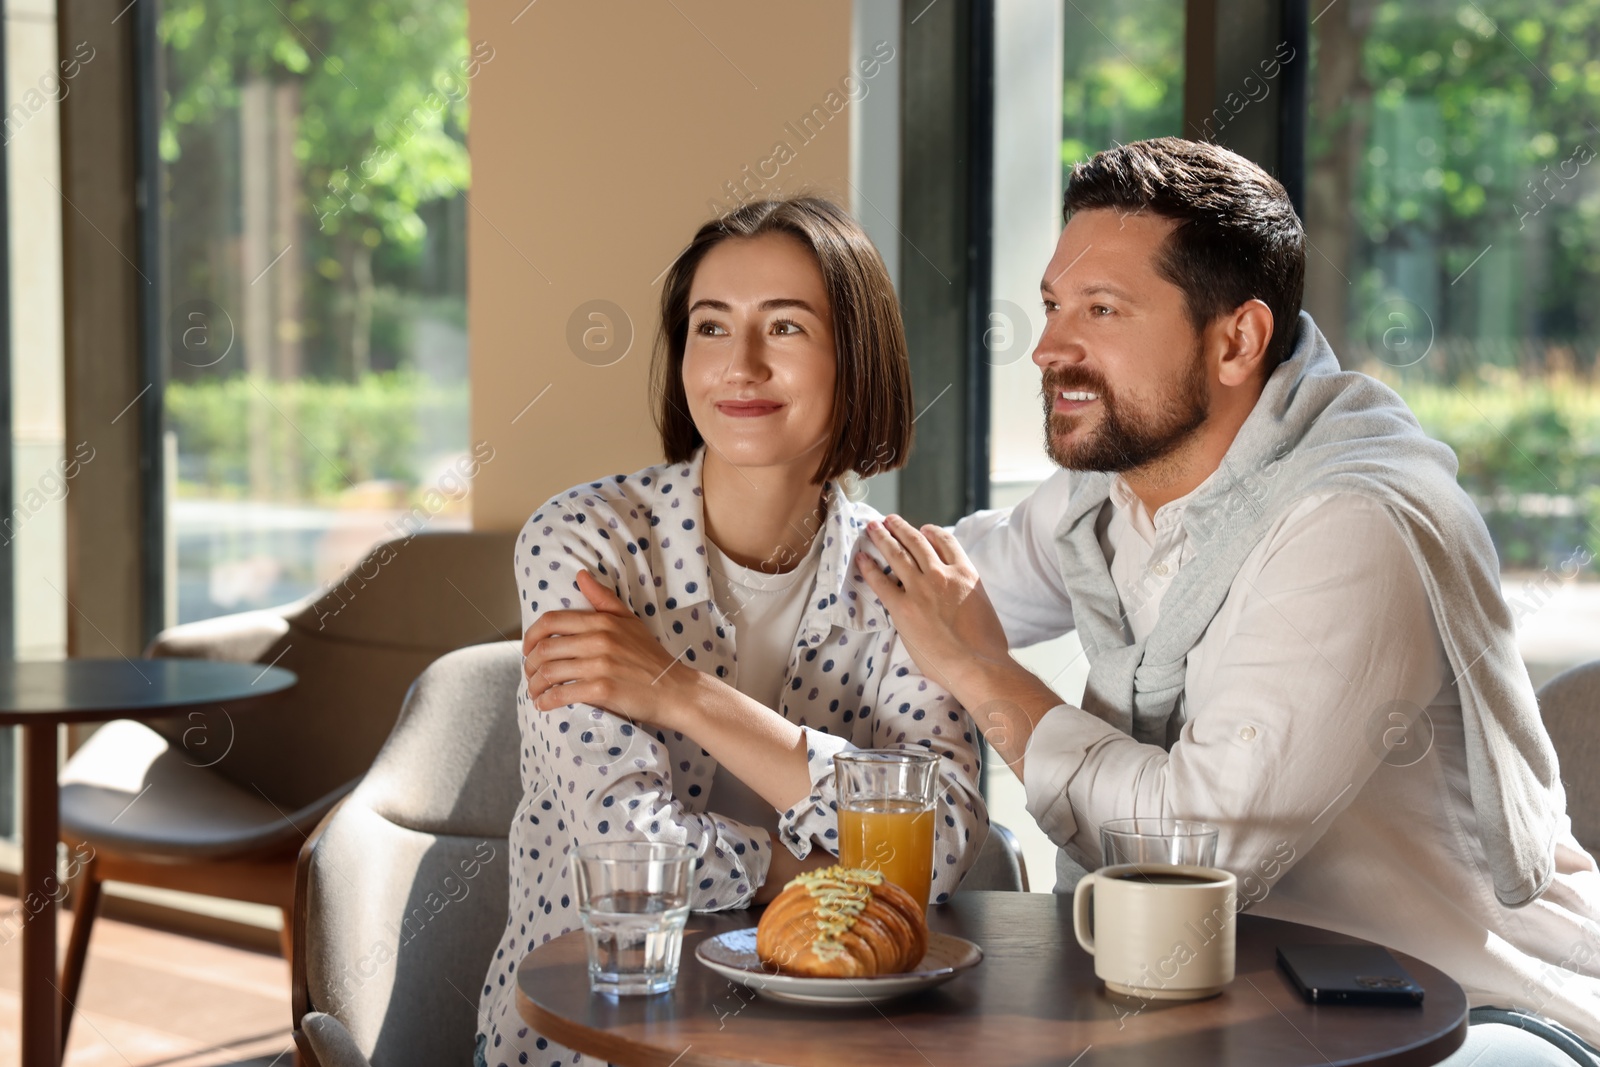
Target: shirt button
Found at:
x=1247, y=733
x=1161, y=569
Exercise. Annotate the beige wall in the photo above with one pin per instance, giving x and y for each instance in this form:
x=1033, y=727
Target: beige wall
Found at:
x=601, y=133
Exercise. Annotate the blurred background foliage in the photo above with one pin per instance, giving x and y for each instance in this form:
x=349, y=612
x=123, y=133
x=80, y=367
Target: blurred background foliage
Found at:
x=1467, y=133
x=1480, y=123
x=1132, y=92
x=314, y=174
x=1529, y=453
x=359, y=143
x=381, y=82
x=325, y=435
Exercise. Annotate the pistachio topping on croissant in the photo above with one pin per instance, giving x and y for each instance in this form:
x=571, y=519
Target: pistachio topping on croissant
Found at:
x=842, y=922
x=841, y=894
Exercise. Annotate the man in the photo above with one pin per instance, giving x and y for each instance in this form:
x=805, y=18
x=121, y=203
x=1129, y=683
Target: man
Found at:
x=1291, y=612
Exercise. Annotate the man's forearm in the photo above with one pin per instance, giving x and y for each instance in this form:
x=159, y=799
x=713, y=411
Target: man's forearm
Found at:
x=1006, y=700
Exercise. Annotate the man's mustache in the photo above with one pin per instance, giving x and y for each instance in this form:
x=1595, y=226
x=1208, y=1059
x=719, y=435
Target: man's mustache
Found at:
x=1055, y=382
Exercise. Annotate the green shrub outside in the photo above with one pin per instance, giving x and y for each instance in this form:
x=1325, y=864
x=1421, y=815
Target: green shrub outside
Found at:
x=1523, y=445
x=320, y=436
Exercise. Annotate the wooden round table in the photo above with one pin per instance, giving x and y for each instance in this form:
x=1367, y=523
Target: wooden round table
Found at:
x=41, y=696
x=1033, y=1000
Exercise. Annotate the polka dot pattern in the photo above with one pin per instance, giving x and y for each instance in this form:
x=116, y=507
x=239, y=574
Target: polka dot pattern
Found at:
x=588, y=775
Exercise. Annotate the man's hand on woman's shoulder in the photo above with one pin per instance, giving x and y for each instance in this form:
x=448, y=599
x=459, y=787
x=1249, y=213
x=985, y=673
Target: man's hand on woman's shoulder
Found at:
x=944, y=617
x=935, y=597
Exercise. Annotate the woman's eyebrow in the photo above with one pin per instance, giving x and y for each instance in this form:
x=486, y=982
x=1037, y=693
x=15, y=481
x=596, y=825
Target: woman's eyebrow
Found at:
x=788, y=302
x=766, y=305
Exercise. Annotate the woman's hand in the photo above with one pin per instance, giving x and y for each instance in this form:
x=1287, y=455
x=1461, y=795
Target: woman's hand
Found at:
x=606, y=658
x=783, y=867
x=938, y=604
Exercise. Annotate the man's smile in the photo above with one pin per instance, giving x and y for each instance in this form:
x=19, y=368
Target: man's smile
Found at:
x=1069, y=401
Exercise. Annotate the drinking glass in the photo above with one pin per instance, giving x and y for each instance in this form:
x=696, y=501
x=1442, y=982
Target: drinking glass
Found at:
x=886, y=814
x=633, y=897
x=1147, y=841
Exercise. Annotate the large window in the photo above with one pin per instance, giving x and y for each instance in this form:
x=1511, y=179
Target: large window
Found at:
x=1119, y=78
x=313, y=176
x=1455, y=222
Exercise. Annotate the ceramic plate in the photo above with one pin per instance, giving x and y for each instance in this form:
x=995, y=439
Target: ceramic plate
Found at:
x=733, y=955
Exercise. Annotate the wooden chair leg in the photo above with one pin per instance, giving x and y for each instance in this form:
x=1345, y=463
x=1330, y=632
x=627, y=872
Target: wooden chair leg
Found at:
x=85, y=898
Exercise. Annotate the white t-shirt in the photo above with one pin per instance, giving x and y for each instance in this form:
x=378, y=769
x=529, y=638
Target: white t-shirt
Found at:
x=765, y=609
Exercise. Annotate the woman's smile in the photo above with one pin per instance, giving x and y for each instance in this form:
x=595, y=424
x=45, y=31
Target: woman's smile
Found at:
x=748, y=409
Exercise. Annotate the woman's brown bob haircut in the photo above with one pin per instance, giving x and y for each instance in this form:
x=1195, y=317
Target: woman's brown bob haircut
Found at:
x=872, y=416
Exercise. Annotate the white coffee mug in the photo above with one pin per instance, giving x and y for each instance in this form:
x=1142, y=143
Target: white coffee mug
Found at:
x=1160, y=931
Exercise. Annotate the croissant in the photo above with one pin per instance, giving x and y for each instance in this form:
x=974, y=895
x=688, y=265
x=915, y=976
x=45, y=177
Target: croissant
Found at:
x=842, y=922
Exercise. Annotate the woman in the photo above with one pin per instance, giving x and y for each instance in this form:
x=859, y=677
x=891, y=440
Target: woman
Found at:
x=711, y=600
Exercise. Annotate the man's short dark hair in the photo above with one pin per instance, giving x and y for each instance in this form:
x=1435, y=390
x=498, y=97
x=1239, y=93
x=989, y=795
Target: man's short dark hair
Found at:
x=872, y=415
x=1237, y=236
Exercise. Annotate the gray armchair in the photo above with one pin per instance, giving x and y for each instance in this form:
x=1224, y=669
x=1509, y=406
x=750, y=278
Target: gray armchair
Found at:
x=999, y=864
x=1570, y=706
x=219, y=804
x=401, y=894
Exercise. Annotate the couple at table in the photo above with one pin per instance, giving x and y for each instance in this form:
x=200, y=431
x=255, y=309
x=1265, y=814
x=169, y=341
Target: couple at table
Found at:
x=1277, y=583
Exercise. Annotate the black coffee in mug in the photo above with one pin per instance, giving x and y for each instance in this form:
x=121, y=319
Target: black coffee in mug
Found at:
x=1162, y=878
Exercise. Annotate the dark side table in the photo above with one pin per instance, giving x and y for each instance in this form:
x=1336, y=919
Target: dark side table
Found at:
x=41, y=696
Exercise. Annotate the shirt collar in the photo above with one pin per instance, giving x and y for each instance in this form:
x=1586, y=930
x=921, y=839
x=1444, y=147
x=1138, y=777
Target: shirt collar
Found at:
x=841, y=598
x=1124, y=498
x=688, y=577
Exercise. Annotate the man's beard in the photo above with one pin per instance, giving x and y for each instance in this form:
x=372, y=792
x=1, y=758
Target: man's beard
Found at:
x=1125, y=440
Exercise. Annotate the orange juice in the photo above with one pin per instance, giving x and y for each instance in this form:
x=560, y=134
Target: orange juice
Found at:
x=892, y=836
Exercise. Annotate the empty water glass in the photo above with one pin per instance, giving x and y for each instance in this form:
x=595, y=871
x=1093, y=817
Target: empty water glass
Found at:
x=633, y=897
x=1147, y=841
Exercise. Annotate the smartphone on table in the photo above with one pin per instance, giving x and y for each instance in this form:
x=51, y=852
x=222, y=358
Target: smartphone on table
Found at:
x=1348, y=974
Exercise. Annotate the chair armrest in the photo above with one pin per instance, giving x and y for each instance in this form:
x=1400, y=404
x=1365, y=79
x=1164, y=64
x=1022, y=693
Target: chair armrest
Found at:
x=300, y=920
x=243, y=638
x=330, y=1042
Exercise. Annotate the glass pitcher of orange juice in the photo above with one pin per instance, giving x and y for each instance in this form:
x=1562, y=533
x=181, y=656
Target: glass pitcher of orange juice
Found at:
x=886, y=814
